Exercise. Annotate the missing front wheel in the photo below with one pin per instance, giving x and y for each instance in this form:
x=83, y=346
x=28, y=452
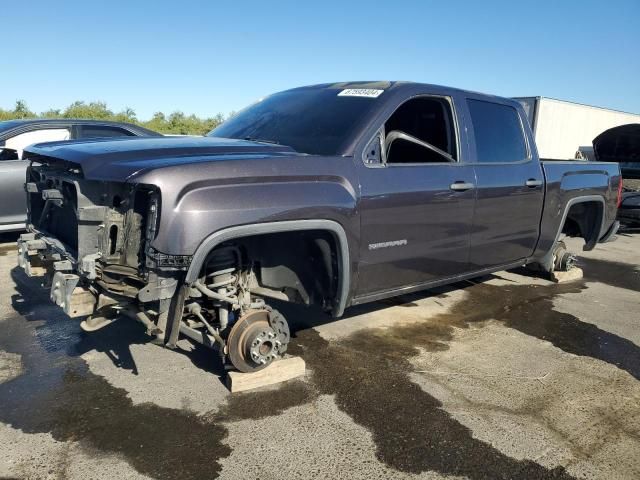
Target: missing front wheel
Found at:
x=258, y=338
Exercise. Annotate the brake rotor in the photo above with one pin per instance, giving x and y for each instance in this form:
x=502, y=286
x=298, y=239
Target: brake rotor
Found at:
x=257, y=339
x=563, y=260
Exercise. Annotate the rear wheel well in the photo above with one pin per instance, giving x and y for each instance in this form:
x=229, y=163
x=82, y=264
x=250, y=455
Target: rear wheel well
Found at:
x=299, y=266
x=584, y=220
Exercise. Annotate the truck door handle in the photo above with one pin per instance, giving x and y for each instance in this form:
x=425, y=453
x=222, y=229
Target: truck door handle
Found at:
x=532, y=182
x=461, y=186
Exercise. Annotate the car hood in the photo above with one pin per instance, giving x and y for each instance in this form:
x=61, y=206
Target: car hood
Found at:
x=622, y=145
x=630, y=200
x=117, y=159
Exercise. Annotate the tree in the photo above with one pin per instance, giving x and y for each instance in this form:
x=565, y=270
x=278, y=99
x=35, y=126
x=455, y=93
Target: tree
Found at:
x=51, y=113
x=176, y=123
x=127, y=115
x=92, y=110
x=22, y=111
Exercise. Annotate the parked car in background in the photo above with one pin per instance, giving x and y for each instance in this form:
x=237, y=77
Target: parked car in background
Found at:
x=629, y=211
x=331, y=195
x=15, y=135
x=622, y=145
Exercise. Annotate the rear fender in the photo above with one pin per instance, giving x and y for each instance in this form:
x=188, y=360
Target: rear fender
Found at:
x=593, y=227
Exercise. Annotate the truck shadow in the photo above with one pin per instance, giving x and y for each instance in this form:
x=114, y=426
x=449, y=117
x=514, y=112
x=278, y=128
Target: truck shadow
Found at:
x=58, y=331
x=8, y=243
x=10, y=237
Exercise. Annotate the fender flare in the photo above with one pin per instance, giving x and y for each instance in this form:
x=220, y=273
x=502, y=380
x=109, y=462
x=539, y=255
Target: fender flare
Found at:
x=216, y=238
x=548, y=257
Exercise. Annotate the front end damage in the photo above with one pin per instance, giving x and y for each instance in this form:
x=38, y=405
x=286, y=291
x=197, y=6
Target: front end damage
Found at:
x=91, y=243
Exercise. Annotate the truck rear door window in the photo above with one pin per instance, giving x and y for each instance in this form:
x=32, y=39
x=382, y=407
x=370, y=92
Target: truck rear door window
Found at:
x=498, y=132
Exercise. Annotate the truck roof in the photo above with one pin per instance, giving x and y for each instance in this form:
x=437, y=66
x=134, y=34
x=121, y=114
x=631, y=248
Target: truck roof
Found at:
x=395, y=86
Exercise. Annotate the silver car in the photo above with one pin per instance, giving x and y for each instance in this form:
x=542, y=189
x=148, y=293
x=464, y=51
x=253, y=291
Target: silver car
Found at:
x=16, y=135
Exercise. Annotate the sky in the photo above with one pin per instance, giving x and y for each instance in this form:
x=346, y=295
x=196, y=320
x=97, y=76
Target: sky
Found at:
x=209, y=57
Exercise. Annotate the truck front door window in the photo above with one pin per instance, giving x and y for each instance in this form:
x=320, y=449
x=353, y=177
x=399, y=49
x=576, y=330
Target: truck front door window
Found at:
x=421, y=131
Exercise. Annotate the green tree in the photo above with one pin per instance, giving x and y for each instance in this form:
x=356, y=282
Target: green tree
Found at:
x=91, y=110
x=177, y=123
x=51, y=113
x=127, y=115
x=22, y=111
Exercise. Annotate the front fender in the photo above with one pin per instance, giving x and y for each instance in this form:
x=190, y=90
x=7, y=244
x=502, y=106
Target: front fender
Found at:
x=203, y=211
x=199, y=200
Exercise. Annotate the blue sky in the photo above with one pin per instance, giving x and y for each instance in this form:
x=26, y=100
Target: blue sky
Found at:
x=206, y=57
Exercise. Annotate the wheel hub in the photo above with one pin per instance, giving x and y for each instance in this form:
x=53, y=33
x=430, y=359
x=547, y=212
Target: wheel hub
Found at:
x=258, y=338
x=264, y=347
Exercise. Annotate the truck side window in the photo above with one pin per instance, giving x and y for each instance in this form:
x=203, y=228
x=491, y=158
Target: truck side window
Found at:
x=498, y=132
x=421, y=130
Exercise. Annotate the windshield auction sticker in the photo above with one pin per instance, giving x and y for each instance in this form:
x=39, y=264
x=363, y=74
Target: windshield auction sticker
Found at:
x=360, y=92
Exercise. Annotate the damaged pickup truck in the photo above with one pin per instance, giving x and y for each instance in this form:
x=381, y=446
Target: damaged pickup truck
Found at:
x=330, y=195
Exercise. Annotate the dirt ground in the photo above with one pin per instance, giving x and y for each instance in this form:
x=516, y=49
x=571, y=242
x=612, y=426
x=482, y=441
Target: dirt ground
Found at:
x=507, y=376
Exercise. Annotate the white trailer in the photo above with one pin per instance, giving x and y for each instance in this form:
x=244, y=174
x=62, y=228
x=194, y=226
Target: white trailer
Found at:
x=562, y=128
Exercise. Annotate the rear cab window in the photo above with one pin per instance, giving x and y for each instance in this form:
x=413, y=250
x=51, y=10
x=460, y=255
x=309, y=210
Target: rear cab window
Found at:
x=498, y=132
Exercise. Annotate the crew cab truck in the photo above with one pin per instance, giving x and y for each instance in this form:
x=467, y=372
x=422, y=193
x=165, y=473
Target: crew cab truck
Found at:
x=330, y=195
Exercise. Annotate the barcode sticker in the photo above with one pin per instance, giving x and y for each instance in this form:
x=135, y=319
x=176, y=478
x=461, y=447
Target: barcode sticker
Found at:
x=360, y=92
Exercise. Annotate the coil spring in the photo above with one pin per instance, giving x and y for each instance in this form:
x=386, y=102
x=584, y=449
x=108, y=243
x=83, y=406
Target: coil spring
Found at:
x=222, y=277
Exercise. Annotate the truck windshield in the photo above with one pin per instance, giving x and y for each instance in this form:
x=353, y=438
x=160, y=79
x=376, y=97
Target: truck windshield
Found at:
x=313, y=121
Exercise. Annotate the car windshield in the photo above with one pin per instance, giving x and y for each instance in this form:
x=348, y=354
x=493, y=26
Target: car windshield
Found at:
x=315, y=121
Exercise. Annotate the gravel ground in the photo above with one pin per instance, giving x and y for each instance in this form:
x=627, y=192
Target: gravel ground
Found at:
x=507, y=376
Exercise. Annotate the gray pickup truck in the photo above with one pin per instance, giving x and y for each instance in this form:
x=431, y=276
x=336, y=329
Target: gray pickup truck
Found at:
x=330, y=195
